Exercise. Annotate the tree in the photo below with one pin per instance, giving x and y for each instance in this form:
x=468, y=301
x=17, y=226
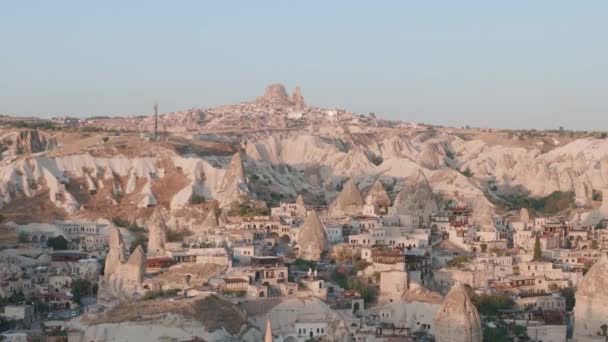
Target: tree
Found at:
x=57, y=243
x=467, y=173
x=568, y=294
x=23, y=237
x=81, y=288
x=538, y=253
x=484, y=247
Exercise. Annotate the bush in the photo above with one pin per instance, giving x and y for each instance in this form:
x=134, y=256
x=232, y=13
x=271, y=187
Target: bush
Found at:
x=467, y=173
x=196, y=199
x=568, y=293
x=57, y=243
x=81, y=288
x=177, y=236
x=23, y=237
x=490, y=305
x=248, y=208
x=458, y=261
x=368, y=293
x=552, y=204
x=140, y=240
x=120, y=222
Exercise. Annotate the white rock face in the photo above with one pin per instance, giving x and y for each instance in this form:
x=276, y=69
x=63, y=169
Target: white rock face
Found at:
x=234, y=183
x=604, y=207
x=416, y=199
x=122, y=279
x=348, y=202
x=377, y=195
x=457, y=319
x=312, y=238
x=157, y=229
x=32, y=141
x=590, y=311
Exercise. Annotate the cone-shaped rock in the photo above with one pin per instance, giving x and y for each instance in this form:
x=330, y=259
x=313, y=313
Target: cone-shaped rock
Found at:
x=300, y=201
x=312, y=239
x=136, y=266
x=116, y=255
x=591, y=301
x=348, y=202
x=234, y=184
x=268, y=332
x=157, y=231
x=377, y=195
x=416, y=198
x=457, y=320
x=209, y=223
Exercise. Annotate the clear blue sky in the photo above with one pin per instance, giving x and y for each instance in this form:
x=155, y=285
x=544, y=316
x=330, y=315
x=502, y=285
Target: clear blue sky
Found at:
x=538, y=64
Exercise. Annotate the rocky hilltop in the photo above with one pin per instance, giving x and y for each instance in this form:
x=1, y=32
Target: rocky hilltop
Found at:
x=276, y=147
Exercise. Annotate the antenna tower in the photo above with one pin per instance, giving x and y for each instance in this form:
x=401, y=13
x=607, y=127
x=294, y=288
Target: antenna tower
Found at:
x=155, y=121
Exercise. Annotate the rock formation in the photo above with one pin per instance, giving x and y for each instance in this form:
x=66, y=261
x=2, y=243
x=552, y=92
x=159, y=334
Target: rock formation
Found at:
x=32, y=141
x=377, y=195
x=276, y=94
x=591, y=300
x=582, y=193
x=300, y=201
x=483, y=214
x=349, y=201
x=298, y=99
x=337, y=331
x=116, y=254
x=234, y=183
x=157, y=230
x=604, y=206
x=457, y=319
x=312, y=239
x=524, y=215
x=416, y=199
x=268, y=332
x=122, y=279
x=210, y=223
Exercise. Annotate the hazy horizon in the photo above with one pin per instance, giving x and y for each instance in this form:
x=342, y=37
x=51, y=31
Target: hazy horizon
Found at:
x=541, y=64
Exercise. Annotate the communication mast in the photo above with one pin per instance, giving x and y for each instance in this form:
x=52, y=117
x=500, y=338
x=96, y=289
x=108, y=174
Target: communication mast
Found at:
x=155, y=121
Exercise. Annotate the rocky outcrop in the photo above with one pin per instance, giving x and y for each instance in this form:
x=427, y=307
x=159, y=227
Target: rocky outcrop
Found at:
x=157, y=230
x=377, y=195
x=209, y=224
x=415, y=200
x=300, y=201
x=604, y=206
x=234, y=183
x=348, y=202
x=583, y=193
x=312, y=239
x=122, y=279
x=591, y=300
x=268, y=332
x=337, y=331
x=32, y=141
x=457, y=320
x=276, y=94
x=524, y=215
x=483, y=214
x=297, y=99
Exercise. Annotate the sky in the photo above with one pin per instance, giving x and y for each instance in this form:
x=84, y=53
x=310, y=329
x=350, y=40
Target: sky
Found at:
x=506, y=64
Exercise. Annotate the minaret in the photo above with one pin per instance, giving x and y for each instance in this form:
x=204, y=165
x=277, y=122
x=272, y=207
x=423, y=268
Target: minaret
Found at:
x=268, y=332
